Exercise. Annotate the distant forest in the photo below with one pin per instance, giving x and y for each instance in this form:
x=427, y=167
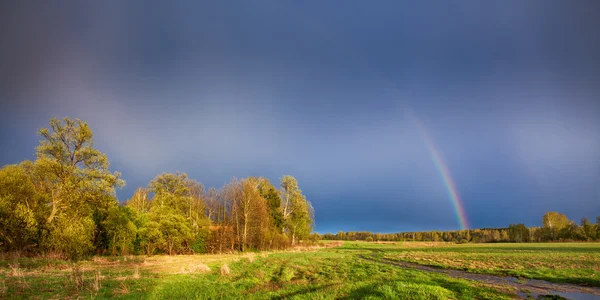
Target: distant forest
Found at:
x=64, y=204
x=556, y=227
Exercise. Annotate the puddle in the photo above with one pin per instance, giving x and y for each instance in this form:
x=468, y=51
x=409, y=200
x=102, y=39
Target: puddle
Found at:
x=562, y=295
x=526, y=288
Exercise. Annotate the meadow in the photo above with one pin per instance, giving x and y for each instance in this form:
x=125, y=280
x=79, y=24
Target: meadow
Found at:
x=352, y=270
x=577, y=263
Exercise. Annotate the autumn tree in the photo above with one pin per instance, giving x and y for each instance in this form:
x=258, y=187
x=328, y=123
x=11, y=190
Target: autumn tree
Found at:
x=255, y=215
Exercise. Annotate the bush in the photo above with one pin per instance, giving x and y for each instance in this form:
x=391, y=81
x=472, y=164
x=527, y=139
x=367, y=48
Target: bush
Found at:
x=71, y=237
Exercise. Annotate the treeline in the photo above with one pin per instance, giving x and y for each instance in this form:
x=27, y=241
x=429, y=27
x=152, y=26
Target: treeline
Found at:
x=556, y=227
x=64, y=203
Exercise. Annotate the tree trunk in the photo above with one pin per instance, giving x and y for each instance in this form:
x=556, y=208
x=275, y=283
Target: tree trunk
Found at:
x=54, y=210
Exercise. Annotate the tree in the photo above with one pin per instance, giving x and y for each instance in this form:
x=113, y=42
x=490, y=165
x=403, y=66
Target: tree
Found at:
x=74, y=170
x=297, y=211
x=71, y=236
x=175, y=231
x=518, y=233
x=65, y=202
x=121, y=230
x=271, y=195
x=20, y=209
x=171, y=190
x=588, y=229
x=553, y=223
x=140, y=201
x=598, y=226
x=255, y=214
x=149, y=235
x=196, y=214
x=75, y=179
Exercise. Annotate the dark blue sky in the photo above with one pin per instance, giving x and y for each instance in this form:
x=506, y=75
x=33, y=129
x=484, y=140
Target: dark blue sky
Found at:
x=509, y=91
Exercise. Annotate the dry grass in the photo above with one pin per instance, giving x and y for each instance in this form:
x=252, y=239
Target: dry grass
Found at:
x=136, y=273
x=3, y=288
x=333, y=244
x=425, y=244
x=100, y=259
x=97, y=283
x=225, y=270
x=201, y=268
x=122, y=289
x=15, y=270
x=77, y=277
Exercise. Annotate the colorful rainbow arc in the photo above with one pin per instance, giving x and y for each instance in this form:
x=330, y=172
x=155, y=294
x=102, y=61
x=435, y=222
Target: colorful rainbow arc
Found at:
x=442, y=168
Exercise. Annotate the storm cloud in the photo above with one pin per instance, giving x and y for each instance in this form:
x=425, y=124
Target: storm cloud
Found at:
x=507, y=89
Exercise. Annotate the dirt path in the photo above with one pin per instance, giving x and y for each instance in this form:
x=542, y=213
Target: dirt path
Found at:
x=524, y=287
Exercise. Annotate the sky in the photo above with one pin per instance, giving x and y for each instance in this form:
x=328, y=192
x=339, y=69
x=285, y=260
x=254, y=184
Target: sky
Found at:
x=343, y=95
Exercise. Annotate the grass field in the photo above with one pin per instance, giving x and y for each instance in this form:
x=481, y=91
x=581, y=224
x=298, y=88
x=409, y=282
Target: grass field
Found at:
x=351, y=271
x=557, y=262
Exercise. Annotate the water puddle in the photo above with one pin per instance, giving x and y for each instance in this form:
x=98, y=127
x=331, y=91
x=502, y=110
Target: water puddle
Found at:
x=560, y=295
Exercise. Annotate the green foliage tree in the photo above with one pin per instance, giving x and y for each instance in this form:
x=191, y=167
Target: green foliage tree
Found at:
x=297, y=211
x=589, y=229
x=75, y=172
x=273, y=198
x=170, y=190
x=149, y=235
x=65, y=202
x=121, y=230
x=20, y=209
x=75, y=179
x=174, y=230
x=140, y=201
x=518, y=233
x=554, y=223
x=70, y=236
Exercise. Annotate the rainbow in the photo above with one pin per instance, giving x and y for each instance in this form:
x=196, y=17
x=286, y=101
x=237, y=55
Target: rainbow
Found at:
x=442, y=168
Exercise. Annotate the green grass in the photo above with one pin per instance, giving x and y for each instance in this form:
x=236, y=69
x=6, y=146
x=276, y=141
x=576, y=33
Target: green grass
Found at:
x=328, y=273
x=558, y=262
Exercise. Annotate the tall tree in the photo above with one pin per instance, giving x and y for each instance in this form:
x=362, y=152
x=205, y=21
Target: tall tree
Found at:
x=273, y=198
x=140, y=201
x=171, y=190
x=75, y=171
x=296, y=210
x=75, y=177
x=255, y=214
